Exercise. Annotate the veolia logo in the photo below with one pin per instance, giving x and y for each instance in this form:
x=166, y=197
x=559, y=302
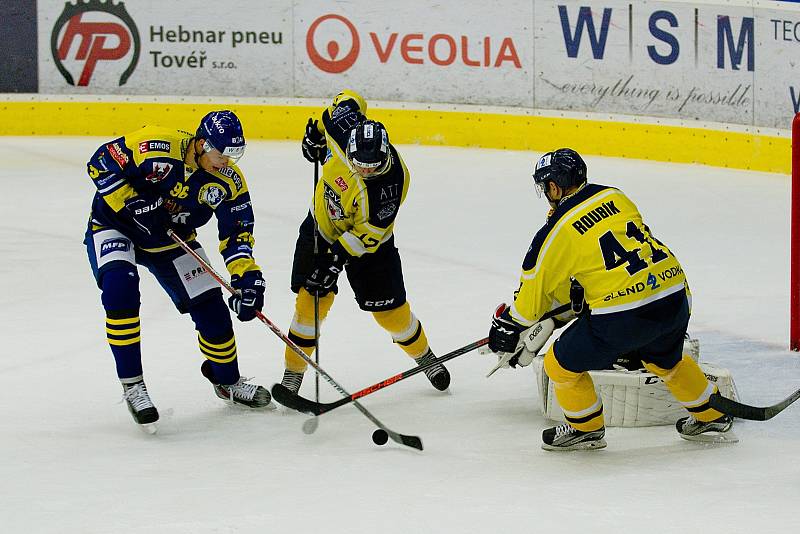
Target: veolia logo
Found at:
x=103, y=38
x=335, y=64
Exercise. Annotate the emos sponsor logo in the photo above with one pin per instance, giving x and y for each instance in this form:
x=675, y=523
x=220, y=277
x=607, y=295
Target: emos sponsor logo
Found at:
x=108, y=33
x=440, y=49
x=154, y=146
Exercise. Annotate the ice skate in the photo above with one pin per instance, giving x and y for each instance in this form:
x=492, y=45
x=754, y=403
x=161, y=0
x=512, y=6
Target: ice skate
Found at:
x=438, y=375
x=716, y=431
x=242, y=392
x=140, y=406
x=566, y=438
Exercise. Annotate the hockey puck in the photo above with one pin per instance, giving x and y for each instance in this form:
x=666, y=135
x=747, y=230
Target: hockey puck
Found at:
x=380, y=437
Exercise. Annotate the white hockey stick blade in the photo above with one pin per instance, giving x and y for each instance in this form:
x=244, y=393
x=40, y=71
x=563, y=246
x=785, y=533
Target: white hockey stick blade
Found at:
x=502, y=361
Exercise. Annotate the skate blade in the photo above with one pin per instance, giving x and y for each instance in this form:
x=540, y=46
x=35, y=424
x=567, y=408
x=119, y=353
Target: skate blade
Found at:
x=583, y=446
x=713, y=437
x=149, y=428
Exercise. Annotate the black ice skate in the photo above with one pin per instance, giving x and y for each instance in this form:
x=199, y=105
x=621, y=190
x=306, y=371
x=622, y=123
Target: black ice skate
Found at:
x=438, y=376
x=140, y=405
x=566, y=438
x=242, y=393
x=292, y=380
x=716, y=431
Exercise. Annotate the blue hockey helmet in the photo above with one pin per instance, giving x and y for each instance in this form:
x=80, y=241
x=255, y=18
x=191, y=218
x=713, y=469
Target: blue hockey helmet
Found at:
x=564, y=167
x=368, y=148
x=222, y=131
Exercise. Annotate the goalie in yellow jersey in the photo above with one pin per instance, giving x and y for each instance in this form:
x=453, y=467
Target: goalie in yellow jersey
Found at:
x=630, y=296
x=364, y=181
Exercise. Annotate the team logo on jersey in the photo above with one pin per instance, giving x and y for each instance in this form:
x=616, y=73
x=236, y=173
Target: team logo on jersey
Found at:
x=211, y=195
x=109, y=34
x=333, y=201
x=160, y=171
x=154, y=146
x=341, y=183
x=115, y=244
x=115, y=151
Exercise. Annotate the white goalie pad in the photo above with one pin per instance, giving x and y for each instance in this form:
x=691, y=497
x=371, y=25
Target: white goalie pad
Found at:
x=632, y=398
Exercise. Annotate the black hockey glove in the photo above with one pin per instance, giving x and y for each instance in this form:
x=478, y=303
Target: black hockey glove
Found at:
x=249, y=296
x=327, y=267
x=314, y=146
x=149, y=215
x=504, y=332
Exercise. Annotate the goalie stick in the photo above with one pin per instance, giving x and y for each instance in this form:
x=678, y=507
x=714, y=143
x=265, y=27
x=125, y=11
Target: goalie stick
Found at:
x=410, y=441
x=291, y=400
x=745, y=411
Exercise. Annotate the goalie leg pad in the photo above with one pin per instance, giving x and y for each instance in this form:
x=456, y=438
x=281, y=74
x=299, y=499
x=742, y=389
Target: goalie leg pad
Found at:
x=576, y=395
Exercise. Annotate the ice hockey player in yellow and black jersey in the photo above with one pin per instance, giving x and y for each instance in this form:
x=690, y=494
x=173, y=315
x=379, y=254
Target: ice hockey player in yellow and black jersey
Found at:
x=149, y=181
x=630, y=295
x=363, y=184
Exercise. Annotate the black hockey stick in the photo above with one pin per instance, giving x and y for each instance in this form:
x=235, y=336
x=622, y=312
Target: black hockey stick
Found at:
x=301, y=404
x=409, y=441
x=291, y=400
x=316, y=293
x=745, y=411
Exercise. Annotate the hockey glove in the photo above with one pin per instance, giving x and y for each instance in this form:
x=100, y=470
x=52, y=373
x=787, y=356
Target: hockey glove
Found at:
x=249, y=296
x=314, y=146
x=326, y=271
x=149, y=215
x=504, y=332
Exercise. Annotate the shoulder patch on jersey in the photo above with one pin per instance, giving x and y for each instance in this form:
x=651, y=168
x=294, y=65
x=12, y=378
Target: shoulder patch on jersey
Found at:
x=333, y=202
x=155, y=145
x=211, y=195
x=387, y=211
x=230, y=172
x=116, y=152
x=160, y=171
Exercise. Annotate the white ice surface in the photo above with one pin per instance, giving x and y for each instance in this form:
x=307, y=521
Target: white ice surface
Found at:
x=71, y=459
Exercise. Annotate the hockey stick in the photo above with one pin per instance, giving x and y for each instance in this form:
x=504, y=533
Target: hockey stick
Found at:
x=316, y=293
x=745, y=411
x=291, y=400
x=283, y=395
x=409, y=441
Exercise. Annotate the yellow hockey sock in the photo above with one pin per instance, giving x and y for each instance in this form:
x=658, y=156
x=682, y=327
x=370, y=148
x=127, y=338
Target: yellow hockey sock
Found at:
x=301, y=331
x=575, y=392
x=405, y=329
x=689, y=385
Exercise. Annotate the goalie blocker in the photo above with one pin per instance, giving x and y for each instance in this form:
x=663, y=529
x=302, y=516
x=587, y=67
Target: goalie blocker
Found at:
x=634, y=398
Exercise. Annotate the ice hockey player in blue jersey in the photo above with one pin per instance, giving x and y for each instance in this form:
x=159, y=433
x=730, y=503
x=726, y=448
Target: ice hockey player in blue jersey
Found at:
x=149, y=181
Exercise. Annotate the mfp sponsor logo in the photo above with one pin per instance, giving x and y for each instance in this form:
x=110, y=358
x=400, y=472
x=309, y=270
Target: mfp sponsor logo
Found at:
x=440, y=49
x=90, y=32
x=116, y=244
